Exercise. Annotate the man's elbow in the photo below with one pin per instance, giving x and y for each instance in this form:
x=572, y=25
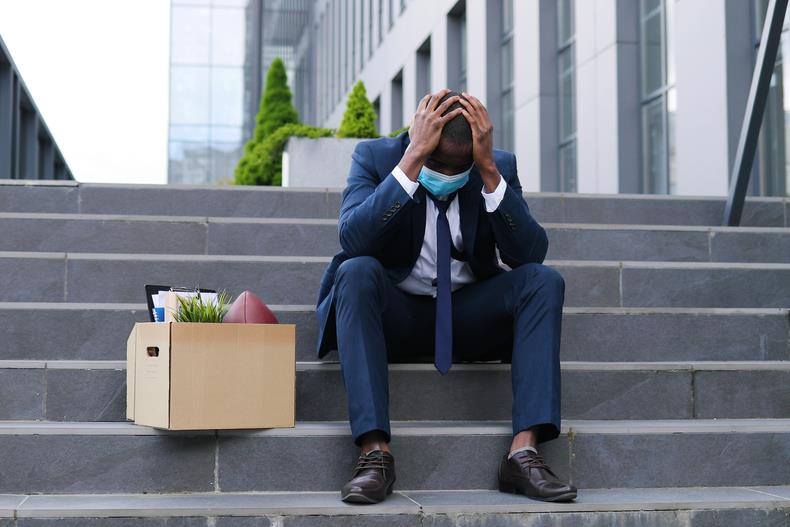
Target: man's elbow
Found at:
x=351, y=243
x=541, y=246
x=536, y=253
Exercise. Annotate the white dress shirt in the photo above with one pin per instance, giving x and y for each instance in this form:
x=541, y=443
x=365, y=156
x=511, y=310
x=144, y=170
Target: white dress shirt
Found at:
x=424, y=272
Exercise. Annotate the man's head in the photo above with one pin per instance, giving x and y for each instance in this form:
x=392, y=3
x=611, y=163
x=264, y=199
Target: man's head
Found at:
x=454, y=152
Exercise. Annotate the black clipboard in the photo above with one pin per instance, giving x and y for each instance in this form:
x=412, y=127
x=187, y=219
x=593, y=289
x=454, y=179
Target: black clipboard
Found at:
x=153, y=290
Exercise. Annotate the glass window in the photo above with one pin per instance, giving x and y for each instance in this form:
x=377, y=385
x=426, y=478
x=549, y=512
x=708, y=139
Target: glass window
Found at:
x=423, y=71
x=566, y=28
x=771, y=175
x=381, y=20
x=567, y=93
x=658, y=96
x=507, y=63
x=567, y=168
x=508, y=121
x=230, y=3
x=507, y=132
x=226, y=134
x=353, y=38
x=224, y=157
x=507, y=16
x=652, y=53
x=370, y=28
x=227, y=88
x=655, y=146
x=227, y=37
x=189, y=94
x=362, y=32
x=189, y=162
x=189, y=134
x=462, y=30
x=189, y=39
x=566, y=67
x=377, y=111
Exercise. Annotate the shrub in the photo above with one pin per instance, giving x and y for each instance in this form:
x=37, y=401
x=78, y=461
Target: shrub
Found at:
x=359, y=119
x=276, y=110
x=266, y=158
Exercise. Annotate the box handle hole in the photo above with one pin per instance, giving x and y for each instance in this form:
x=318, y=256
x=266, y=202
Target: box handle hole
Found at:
x=153, y=351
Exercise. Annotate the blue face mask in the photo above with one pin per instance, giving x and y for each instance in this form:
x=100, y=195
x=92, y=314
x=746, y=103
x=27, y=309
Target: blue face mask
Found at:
x=440, y=184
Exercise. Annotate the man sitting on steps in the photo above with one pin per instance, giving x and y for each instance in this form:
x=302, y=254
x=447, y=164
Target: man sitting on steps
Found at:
x=418, y=279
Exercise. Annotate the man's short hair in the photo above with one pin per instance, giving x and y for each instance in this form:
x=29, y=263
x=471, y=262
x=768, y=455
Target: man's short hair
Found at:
x=457, y=129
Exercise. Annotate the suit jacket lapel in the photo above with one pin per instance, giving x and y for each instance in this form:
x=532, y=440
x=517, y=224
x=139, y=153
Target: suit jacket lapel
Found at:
x=469, y=207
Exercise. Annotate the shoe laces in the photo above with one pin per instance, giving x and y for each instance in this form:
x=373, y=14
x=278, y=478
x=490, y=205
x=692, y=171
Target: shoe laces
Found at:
x=373, y=459
x=532, y=460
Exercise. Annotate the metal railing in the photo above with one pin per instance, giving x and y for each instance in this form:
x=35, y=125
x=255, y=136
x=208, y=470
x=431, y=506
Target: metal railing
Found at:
x=27, y=148
x=755, y=108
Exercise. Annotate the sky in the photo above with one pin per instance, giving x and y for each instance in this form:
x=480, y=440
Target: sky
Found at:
x=98, y=71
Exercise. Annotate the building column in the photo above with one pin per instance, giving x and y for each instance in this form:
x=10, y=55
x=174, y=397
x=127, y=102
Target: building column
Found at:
x=597, y=109
x=741, y=58
x=535, y=93
x=409, y=88
x=477, y=59
x=702, y=136
x=439, y=56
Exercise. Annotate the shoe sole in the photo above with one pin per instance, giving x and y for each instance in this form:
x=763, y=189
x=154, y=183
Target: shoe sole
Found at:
x=355, y=497
x=510, y=489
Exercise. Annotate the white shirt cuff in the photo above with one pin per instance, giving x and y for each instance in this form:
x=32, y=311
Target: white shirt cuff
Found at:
x=408, y=185
x=493, y=199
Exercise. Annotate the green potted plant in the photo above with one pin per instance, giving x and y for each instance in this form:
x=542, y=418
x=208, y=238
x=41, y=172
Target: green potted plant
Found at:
x=195, y=309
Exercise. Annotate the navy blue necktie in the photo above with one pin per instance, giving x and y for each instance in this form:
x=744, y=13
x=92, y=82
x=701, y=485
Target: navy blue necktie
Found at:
x=443, y=342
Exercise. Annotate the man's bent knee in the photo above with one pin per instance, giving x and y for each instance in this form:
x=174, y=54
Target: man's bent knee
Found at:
x=359, y=267
x=548, y=277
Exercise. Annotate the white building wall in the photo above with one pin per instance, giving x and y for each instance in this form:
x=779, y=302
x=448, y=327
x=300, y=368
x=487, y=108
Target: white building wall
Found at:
x=607, y=99
x=420, y=20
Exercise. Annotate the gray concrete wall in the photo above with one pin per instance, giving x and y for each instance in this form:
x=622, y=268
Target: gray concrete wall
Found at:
x=322, y=162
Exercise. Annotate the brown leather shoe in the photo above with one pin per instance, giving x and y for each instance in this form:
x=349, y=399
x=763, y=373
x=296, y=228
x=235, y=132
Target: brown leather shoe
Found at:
x=527, y=473
x=372, y=480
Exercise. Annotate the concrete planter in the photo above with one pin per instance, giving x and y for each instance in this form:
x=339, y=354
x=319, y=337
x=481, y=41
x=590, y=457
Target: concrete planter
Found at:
x=322, y=162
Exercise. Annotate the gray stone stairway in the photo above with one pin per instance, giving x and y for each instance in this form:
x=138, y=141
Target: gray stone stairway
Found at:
x=676, y=367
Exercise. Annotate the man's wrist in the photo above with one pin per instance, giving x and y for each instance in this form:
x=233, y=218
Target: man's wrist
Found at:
x=490, y=175
x=412, y=161
x=488, y=169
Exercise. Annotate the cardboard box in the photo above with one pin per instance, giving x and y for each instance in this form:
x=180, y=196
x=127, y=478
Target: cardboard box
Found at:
x=202, y=376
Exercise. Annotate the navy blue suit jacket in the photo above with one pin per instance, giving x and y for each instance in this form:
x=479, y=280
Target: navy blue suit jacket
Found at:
x=379, y=219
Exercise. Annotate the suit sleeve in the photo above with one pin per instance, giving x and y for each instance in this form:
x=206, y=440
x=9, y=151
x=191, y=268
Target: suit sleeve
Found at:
x=518, y=235
x=370, y=212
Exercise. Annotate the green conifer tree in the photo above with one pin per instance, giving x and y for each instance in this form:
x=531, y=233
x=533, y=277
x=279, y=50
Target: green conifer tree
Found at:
x=276, y=106
x=276, y=110
x=359, y=119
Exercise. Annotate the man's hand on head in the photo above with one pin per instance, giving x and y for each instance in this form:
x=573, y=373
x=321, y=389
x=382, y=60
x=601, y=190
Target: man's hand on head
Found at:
x=483, y=139
x=425, y=130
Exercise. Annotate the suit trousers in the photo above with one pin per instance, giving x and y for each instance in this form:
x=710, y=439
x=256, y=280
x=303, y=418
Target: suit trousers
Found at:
x=514, y=316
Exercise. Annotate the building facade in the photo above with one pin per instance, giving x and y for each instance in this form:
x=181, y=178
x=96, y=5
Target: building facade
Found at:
x=594, y=96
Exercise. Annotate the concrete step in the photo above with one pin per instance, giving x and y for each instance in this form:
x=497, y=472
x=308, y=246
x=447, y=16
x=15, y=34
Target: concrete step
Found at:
x=765, y=506
x=246, y=201
x=88, y=331
x=93, y=277
x=97, y=233
x=45, y=457
x=96, y=391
